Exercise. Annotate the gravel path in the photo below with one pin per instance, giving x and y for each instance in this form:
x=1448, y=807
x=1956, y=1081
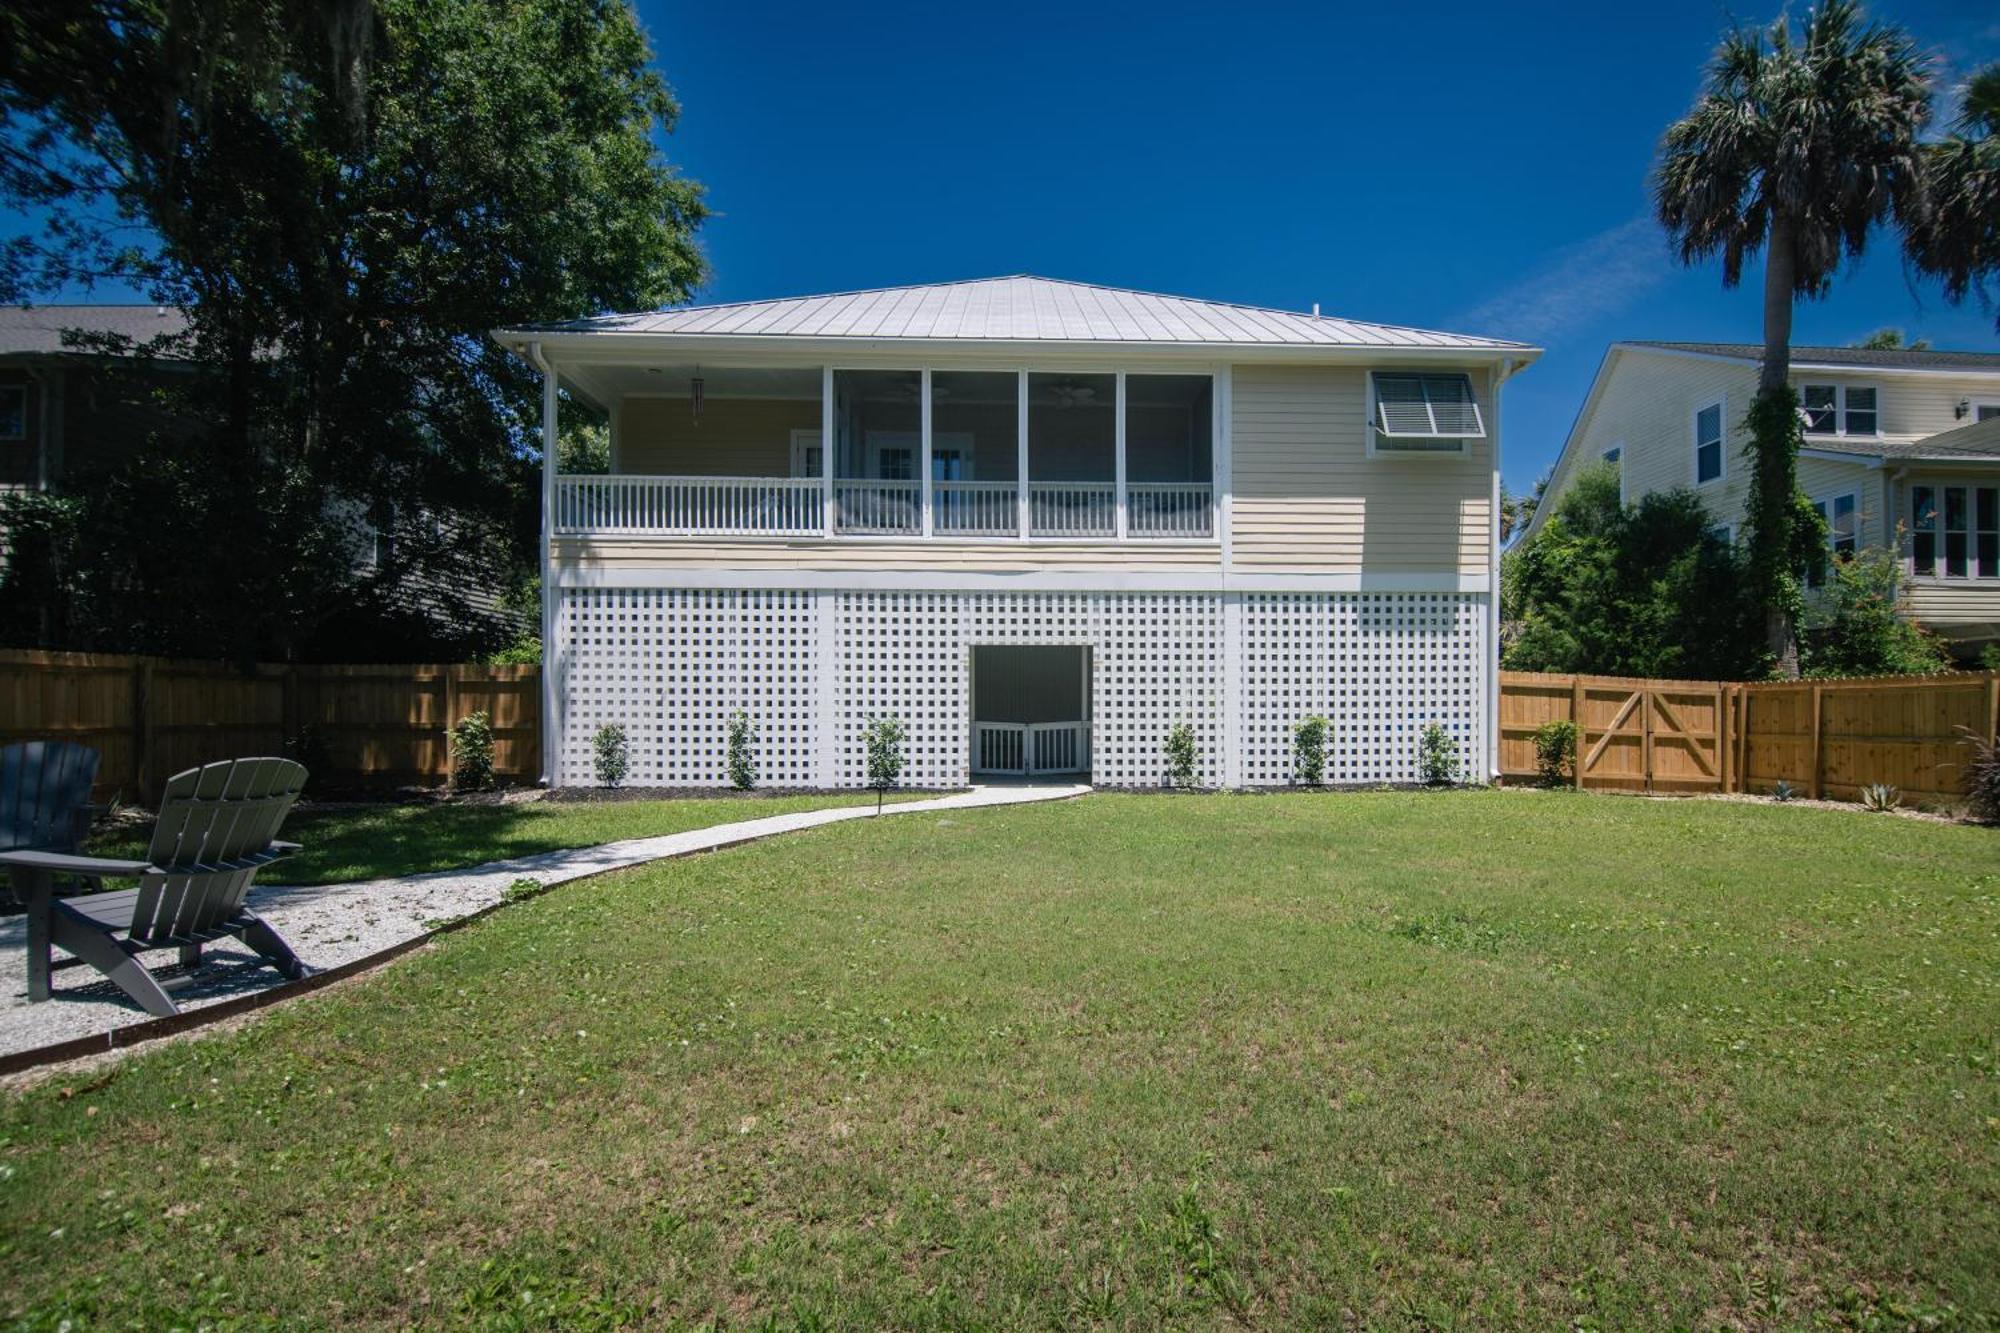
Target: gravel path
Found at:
x=335, y=924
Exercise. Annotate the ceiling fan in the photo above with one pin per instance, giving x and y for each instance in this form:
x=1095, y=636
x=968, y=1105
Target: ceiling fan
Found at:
x=1068, y=394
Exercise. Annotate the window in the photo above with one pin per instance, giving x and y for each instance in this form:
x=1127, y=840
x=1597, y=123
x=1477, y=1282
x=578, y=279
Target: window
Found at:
x=1843, y=525
x=13, y=411
x=1986, y=411
x=1724, y=533
x=1708, y=444
x=1838, y=409
x=1955, y=531
x=1424, y=413
x=1614, y=453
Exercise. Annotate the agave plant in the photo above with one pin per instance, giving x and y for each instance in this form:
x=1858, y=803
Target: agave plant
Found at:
x=1784, y=791
x=1880, y=797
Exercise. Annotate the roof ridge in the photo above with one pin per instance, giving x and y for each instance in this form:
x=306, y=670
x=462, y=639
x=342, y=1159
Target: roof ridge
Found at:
x=1057, y=282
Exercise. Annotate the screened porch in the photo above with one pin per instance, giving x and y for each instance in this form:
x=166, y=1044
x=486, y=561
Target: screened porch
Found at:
x=944, y=453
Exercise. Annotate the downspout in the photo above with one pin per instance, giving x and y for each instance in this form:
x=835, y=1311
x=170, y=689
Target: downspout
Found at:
x=1507, y=369
x=550, y=730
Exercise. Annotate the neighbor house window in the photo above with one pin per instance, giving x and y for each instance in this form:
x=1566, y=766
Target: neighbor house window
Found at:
x=1838, y=409
x=1724, y=533
x=1614, y=453
x=1986, y=412
x=1843, y=525
x=13, y=412
x=1708, y=443
x=1424, y=413
x=1955, y=531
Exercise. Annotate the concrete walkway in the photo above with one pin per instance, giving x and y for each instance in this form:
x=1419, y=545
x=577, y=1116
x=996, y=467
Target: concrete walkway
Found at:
x=340, y=923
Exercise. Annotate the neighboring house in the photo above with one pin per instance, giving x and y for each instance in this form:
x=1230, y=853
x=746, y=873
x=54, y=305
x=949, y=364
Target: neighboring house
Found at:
x=61, y=413
x=67, y=409
x=1902, y=449
x=1054, y=521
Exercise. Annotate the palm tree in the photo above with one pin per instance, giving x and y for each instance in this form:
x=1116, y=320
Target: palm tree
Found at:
x=1959, y=243
x=1799, y=148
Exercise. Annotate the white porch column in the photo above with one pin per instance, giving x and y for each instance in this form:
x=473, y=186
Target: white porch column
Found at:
x=924, y=434
x=1021, y=454
x=551, y=703
x=1119, y=453
x=826, y=449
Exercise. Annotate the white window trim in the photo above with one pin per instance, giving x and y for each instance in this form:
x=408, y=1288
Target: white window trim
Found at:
x=1372, y=431
x=1972, y=530
x=1978, y=406
x=1694, y=443
x=1847, y=493
x=22, y=390
x=1840, y=430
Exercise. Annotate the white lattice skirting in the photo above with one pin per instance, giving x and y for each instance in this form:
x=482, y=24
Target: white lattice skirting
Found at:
x=810, y=668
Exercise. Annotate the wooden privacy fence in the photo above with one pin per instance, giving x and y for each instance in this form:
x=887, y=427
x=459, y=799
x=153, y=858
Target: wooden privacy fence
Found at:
x=1824, y=737
x=151, y=717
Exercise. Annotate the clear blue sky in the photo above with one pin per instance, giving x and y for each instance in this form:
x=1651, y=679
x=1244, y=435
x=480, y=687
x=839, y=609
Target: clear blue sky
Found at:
x=1476, y=167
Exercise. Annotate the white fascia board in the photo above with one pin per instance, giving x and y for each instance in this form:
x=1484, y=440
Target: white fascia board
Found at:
x=571, y=575
x=1813, y=367
x=722, y=349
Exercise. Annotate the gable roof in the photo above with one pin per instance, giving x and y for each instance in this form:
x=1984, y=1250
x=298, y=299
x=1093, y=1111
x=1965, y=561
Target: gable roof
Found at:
x=1021, y=308
x=1899, y=358
x=38, y=330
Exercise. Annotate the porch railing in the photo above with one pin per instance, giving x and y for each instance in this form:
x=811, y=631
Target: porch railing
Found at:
x=1169, y=509
x=773, y=506
x=879, y=508
x=796, y=507
x=976, y=508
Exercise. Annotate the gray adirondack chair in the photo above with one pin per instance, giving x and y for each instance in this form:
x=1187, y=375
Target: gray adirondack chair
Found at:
x=45, y=795
x=217, y=828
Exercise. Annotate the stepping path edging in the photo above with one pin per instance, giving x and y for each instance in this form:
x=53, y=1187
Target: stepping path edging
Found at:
x=345, y=929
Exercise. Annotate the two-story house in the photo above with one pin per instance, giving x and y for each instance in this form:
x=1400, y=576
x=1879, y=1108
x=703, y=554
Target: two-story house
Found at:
x=1040, y=523
x=1902, y=449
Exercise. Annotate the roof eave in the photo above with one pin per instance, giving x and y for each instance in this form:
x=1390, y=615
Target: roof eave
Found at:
x=640, y=347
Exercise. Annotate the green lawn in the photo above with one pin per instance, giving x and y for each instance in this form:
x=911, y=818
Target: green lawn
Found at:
x=1395, y=1060
x=343, y=843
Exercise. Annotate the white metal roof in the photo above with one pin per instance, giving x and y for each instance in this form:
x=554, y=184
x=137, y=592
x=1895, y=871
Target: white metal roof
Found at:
x=1019, y=309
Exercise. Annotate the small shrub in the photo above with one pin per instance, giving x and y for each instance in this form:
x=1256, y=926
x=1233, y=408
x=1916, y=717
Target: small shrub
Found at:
x=1989, y=657
x=1181, y=755
x=884, y=738
x=1784, y=791
x=610, y=755
x=472, y=753
x=1437, y=757
x=1555, y=752
x=742, y=768
x=1982, y=778
x=523, y=889
x=1880, y=797
x=1309, y=751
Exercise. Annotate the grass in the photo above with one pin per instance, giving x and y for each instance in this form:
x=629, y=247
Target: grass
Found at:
x=343, y=843
x=1394, y=1060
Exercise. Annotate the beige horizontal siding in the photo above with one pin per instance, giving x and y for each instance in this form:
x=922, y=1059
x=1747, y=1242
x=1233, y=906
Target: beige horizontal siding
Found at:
x=1308, y=499
x=860, y=556
x=1942, y=603
x=737, y=437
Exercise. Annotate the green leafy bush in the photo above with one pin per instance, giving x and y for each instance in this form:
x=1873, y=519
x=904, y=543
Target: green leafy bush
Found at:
x=1989, y=657
x=1851, y=626
x=884, y=739
x=472, y=753
x=742, y=767
x=1181, y=755
x=1437, y=757
x=1309, y=751
x=1555, y=752
x=610, y=755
